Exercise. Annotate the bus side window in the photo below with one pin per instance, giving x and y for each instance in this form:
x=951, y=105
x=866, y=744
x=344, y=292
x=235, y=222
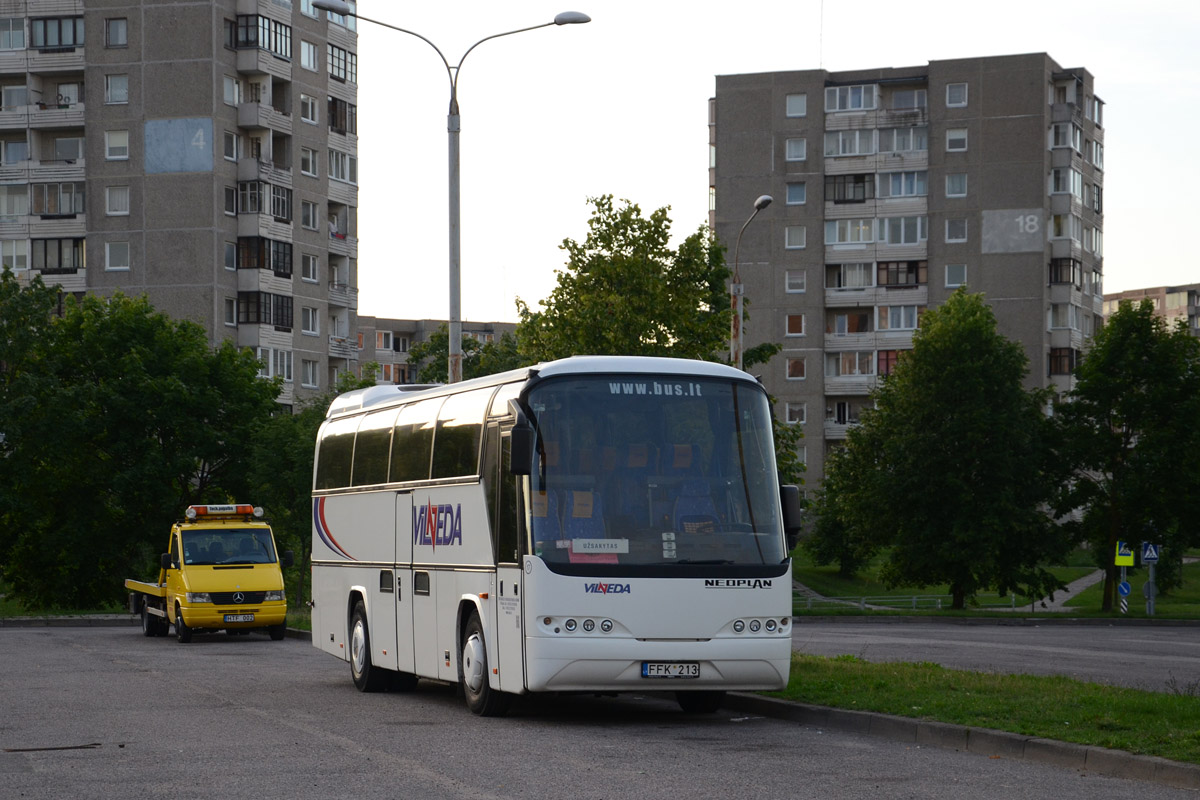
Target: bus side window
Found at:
x=500, y=489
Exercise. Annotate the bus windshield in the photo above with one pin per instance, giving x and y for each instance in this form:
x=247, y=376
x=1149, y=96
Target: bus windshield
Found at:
x=653, y=470
x=228, y=546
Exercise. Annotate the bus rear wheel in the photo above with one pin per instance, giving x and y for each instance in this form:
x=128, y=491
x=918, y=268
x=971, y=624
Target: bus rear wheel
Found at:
x=704, y=702
x=481, y=698
x=367, y=677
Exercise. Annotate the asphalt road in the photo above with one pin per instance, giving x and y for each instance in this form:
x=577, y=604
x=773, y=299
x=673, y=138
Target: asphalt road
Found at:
x=105, y=712
x=1142, y=657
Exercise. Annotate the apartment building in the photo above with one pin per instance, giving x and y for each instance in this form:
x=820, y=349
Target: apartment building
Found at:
x=203, y=154
x=1172, y=303
x=386, y=342
x=893, y=187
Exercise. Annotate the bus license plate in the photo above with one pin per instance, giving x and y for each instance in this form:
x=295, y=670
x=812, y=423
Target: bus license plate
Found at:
x=670, y=669
x=239, y=618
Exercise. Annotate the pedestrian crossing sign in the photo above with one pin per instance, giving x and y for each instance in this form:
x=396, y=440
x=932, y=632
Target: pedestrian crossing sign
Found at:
x=1124, y=555
x=1149, y=553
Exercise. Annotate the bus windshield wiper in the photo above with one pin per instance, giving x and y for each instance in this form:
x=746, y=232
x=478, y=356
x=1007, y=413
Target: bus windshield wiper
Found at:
x=704, y=561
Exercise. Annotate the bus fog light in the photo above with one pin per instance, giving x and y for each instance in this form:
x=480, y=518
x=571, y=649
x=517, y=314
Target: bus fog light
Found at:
x=606, y=626
x=755, y=625
x=783, y=622
x=589, y=625
x=546, y=620
x=739, y=626
x=770, y=626
x=570, y=625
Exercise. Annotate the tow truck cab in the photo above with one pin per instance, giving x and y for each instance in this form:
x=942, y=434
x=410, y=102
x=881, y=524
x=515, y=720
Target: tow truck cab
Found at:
x=221, y=571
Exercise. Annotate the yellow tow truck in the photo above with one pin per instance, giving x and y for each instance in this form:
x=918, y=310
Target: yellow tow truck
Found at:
x=221, y=571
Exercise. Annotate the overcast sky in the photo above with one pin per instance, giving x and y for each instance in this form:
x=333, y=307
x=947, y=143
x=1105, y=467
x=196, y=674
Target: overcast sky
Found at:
x=619, y=106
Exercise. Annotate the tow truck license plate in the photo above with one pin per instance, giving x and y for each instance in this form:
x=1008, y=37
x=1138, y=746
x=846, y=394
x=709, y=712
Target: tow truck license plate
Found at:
x=670, y=669
x=239, y=618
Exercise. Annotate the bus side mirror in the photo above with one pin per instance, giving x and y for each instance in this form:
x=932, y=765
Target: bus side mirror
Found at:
x=789, y=498
x=289, y=558
x=520, y=442
x=165, y=561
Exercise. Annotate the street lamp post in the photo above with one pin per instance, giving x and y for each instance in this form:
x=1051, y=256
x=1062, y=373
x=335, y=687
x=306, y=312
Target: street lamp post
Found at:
x=454, y=366
x=736, y=290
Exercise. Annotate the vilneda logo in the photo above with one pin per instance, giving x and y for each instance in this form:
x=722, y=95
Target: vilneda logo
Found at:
x=606, y=588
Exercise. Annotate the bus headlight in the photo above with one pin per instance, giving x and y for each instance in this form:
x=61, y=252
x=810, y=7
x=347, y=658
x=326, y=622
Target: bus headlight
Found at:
x=606, y=626
x=739, y=626
x=277, y=596
x=589, y=625
x=199, y=597
x=570, y=625
x=755, y=625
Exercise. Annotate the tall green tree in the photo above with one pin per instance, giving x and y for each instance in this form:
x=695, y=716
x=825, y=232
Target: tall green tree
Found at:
x=626, y=291
x=479, y=358
x=1131, y=428
x=114, y=419
x=952, y=468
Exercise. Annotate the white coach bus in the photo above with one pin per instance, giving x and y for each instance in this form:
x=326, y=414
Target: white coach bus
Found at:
x=595, y=524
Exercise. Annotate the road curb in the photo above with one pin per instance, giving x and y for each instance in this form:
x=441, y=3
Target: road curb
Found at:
x=982, y=741
x=1036, y=620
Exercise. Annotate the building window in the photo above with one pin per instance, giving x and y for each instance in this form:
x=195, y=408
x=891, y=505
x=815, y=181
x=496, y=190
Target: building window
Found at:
x=308, y=55
x=956, y=95
x=308, y=215
x=902, y=273
x=849, y=188
x=343, y=65
x=1098, y=155
x=309, y=264
x=343, y=116
x=281, y=203
x=849, y=276
x=956, y=275
x=956, y=184
x=250, y=197
x=282, y=365
x=850, y=231
x=887, y=360
x=904, y=184
x=264, y=33
x=858, y=142
x=308, y=161
x=850, y=364
x=898, y=318
x=1064, y=180
x=850, y=98
x=903, y=230
x=232, y=146
x=1066, y=134
x=264, y=308
x=909, y=99
x=1066, y=226
x=1064, y=316
x=12, y=34
x=58, y=255
x=14, y=200
x=116, y=256
x=231, y=312
x=797, y=105
x=116, y=145
x=797, y=193
x=795, y=325
x=794, y=237
x=795, y=368
x=231, y=256
x=1066, y=270
x=795, y=149
x=58, y=199
x=308, y=9
x=116, y=33
x=383, y=340
x=794, y=281
x=309, y=321
x=116, y=89
x=343, y=167
x=14, y=96
x=956, y=230
x=903, y=140
x=14, y=254
x=308, y=109
x=56, y=33
x=845, y=323
x=231, y=200
x=956, y=140
x=1062, y=361
x=15, y=150
x=308, y=374
x=797, y=413
x=116, y=201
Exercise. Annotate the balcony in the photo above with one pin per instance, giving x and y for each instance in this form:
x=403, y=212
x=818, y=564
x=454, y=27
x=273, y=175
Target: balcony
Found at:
x=258, y=169
x=263, y=115
x=51, y=115
x=343, y=294
x=69, y=279
x=341, y=347
x=850, y=384
x=343, y=245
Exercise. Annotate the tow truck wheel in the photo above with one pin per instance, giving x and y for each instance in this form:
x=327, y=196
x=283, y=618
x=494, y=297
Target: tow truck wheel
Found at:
x=183, y=634
x=473, y=674
x=149, y=622
x=367, y=677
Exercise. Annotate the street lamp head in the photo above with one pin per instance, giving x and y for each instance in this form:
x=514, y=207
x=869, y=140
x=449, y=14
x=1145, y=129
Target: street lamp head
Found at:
x=762, y=202
x=336, y=6
x=571, y=18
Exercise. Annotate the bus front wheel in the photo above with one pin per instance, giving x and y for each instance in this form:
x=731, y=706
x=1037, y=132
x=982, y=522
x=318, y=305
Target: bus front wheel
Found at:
x=367, y=677
x=482, y=699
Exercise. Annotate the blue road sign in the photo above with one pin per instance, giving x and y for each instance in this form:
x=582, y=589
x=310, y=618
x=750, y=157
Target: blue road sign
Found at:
x=1123, y=588
x=1149, y=553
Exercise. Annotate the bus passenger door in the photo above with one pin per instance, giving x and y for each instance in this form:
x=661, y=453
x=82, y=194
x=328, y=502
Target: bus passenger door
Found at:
x=502, y=496
x=402, y=606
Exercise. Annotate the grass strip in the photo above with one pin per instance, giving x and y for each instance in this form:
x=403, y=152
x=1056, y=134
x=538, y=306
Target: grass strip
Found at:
x=1165, y=724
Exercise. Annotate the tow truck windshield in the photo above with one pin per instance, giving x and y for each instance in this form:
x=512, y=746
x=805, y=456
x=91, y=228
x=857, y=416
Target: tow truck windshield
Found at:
x=230, y=546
